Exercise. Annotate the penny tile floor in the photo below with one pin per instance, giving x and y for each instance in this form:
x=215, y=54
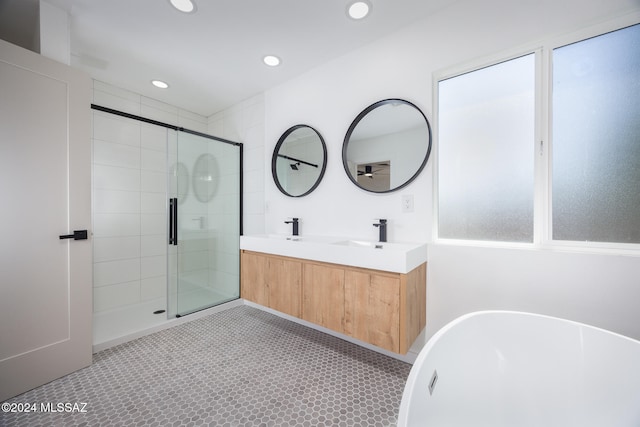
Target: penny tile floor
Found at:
x=239, y=367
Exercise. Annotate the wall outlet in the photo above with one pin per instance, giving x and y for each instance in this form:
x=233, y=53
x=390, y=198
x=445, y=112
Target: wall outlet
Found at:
x=407, y=203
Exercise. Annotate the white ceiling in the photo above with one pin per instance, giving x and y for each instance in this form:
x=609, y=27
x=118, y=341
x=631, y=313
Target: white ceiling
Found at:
x=213, y=59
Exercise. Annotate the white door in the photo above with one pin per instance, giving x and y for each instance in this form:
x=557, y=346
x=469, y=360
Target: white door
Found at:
x=45, y=192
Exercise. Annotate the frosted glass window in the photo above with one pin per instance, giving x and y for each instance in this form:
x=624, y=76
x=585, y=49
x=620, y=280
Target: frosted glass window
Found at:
x=486, y=121
x=596, y=139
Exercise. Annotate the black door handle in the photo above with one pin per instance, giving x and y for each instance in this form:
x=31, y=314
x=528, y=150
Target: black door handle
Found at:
x=77, y=235
x=173, y=221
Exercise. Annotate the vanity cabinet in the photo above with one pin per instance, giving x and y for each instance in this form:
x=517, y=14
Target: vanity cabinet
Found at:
x=323, y=295
x=372, y=308
x=382, y=308
x=253, y=271
x=272, y=281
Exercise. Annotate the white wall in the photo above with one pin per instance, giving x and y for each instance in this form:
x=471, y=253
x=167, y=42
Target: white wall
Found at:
x=55, y=39
x=602, y=290
x=245, y=123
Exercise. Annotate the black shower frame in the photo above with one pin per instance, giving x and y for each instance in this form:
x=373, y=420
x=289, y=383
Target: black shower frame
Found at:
x=192, y=132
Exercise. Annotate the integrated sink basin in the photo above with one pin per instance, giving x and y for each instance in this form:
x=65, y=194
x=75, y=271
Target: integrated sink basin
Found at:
x=360, y=244
x=386, y=256
x=284, y=237
x=376, y=245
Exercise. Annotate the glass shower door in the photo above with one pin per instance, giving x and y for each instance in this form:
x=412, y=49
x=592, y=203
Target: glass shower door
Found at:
x=204, y=211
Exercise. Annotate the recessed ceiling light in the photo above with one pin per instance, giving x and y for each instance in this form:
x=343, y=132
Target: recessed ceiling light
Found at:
x=359, y=9
x=160, y=84
x=186, y=6
x=271, y=60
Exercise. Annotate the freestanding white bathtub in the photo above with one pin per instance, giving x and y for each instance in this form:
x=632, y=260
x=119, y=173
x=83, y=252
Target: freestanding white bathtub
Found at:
x=500, y=369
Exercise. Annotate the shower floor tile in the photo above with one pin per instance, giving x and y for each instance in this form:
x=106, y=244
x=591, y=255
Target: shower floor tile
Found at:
x=239, y=367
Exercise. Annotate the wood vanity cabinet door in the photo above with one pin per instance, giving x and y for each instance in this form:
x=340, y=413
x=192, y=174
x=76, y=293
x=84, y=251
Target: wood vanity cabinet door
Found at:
x=284, y=282
x=413, y=307
x=372, y=308
x=253, y=274
x=323, y=296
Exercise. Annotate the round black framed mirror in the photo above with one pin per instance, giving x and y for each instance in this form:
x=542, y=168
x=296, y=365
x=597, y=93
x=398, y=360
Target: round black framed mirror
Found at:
x=387, y=146
x=299, y=161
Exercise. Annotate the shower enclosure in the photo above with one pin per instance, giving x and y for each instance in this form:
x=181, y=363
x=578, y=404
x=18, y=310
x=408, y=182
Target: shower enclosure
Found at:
x=204, y=222
x=167, y=223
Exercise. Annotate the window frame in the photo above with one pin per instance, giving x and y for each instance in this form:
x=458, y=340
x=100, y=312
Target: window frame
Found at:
x=465, y=69
x=542, y=147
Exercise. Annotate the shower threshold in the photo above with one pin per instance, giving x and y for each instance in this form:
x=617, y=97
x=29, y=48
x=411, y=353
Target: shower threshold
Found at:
x=114, y=327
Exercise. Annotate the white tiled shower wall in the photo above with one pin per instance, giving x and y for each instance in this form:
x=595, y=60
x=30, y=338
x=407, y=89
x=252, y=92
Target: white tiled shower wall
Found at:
x=129, y=197
x=129, y=212
x=129, y=173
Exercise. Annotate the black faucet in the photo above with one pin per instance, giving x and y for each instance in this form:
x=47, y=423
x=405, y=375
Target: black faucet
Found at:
x=293, y=221
x=382, y=225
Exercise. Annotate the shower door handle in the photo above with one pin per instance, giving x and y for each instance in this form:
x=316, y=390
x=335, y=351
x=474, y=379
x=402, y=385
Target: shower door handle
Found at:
x=77, y=235
x=173, y=221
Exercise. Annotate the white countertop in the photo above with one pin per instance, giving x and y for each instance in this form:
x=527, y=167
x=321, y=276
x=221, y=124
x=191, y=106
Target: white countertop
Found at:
x=398, y=257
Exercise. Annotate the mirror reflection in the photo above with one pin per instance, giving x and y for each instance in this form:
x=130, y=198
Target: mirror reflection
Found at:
x=299, y=161
x=387, y=146
x=205, y=177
